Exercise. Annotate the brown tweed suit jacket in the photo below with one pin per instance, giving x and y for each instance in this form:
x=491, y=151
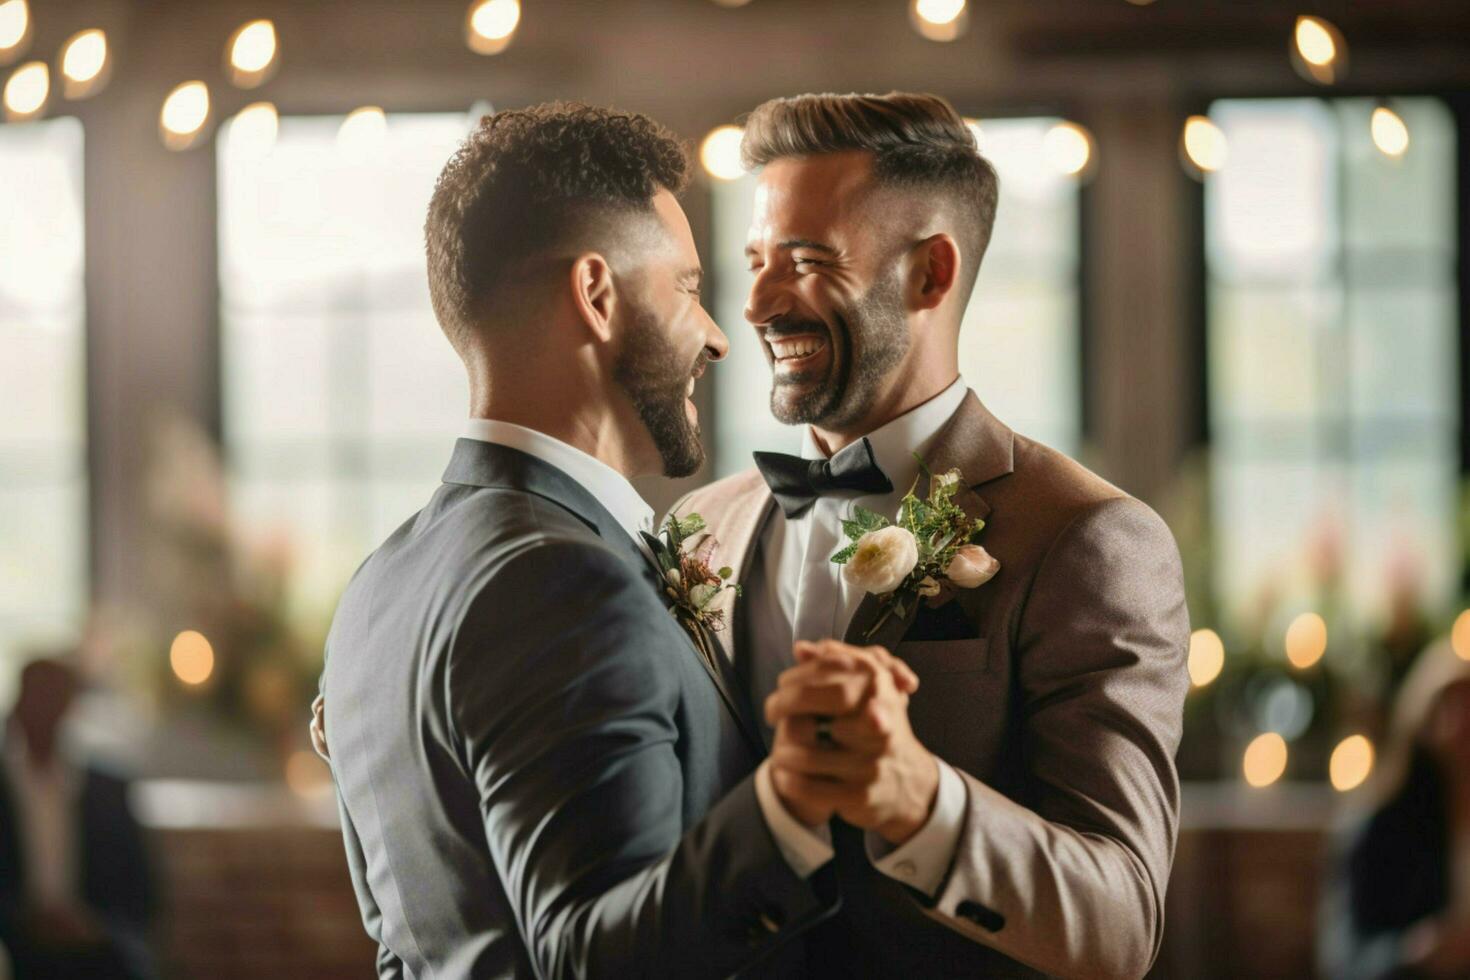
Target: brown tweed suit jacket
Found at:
x=1056, y=690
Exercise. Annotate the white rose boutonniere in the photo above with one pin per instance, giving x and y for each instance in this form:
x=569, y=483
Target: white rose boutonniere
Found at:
x=932, y=548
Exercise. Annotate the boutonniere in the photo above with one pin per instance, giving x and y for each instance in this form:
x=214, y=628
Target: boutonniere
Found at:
x=690, y=581
x=930, y=552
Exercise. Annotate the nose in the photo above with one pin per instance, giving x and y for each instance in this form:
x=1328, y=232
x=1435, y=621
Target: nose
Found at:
x=716, y=344
x=767, y=300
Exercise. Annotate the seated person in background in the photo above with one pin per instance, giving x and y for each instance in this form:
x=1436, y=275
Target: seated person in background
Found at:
x=1399, y=901
x=75, y=889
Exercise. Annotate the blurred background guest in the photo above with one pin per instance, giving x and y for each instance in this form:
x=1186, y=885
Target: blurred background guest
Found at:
x=1399, y=904
x=75, y=889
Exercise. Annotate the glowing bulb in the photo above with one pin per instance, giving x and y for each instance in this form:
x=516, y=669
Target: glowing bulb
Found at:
x=1265, y=759
x=1314, y=41
x=1351, y=763
x=1206, y=657
x=253, y=50
x=184, y=114
x=939, y=20
x=84, y=64
x=254, y=129
x=1460, y=635
x=1068, y=149
x=491, y=25
x=27, y=91
x=1390, y=134
x=720, y=153
x=191, y=657
x=1306, y=640
x=15, y=26
x=363, y=129
x=1204, y=144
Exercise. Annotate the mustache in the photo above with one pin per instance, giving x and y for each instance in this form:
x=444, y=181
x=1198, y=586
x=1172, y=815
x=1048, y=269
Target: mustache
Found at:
x=700, y=363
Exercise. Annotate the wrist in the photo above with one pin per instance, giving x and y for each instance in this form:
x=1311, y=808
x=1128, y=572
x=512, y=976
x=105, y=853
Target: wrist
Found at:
x=926, y=794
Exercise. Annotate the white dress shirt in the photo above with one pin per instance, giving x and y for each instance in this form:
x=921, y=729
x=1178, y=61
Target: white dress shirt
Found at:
x=796, y=593
x=614, y=492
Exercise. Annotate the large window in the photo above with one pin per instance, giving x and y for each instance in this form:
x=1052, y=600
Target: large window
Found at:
x=342, y=398
x=1333, y=333
x=1019, y=344
x=43, y=485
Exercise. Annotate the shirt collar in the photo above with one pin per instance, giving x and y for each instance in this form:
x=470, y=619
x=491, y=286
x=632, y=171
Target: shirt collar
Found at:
x=896, y=442
x=610, y=487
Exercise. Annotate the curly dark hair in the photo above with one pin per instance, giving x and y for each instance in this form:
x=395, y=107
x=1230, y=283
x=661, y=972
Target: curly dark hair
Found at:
x=528, y=179
x=917, y=140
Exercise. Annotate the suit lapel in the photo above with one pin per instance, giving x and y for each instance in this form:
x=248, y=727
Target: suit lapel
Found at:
x=982, y=448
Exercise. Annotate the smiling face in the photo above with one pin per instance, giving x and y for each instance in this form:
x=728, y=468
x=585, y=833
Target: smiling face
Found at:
x=669, y=338
x=828, y=298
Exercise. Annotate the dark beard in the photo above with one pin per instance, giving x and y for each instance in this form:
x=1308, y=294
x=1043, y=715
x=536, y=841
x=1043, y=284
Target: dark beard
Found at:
x=647, y=370
x=874, y=326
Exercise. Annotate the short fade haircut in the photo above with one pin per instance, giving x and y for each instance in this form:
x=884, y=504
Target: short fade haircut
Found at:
x=918, y=141
x=527, y=180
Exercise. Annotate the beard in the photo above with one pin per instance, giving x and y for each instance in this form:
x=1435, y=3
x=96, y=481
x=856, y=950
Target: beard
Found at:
x=648, y=370
x=869, y=340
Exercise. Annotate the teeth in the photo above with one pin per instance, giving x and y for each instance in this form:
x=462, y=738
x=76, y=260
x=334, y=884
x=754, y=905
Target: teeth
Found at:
x=799, y=347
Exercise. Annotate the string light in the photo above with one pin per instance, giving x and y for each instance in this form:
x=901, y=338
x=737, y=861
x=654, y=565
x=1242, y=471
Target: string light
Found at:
x=1069, y=150
x=491, y=25
x=253, y=54
x=1306, y=640
x=720, y=153
x=253, y=130
x=1203, y=146
x=185, y=113
x=939, y=20
x=27, y=91
x=15, y=29
x=1318, y=51
x=1206, y=657
x=191, y=657
x=1389, y=131
x=1265, y=759
x=85, y=64
x=1351, y=763
x=363, y=130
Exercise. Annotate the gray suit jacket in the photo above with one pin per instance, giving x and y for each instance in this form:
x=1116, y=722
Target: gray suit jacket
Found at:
x=1057, y=692
x=537, y=773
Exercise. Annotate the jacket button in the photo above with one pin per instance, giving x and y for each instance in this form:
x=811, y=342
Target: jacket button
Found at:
x=980, y=915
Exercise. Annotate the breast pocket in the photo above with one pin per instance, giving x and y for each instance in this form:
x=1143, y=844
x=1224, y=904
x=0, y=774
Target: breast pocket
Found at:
x=959, y=710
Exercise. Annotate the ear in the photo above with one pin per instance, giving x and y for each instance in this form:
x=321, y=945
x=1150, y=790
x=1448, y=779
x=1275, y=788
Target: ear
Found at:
x=936, y=267
x=593, y=293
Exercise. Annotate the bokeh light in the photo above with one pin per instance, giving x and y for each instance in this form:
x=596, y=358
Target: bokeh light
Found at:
x=491, y=25
x=15, y=29
x=85, y=64
x=1206, y=656
x=254, y=52
x=1069, y=150
x=363, y=130
x=1460, y=635
x=27, y=91
x=1390, y=132
x=254, y=129
x=939, y=20
x=720, y=153
x=192, y=657
x=1203, y=145
x=1351, y=764
x=1318, y=51
x=184, y=115
x=1265, y=759
x=1306, y=640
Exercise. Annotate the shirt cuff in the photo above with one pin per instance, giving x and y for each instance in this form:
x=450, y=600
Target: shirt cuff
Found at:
x=922, y=861
x=805, y=848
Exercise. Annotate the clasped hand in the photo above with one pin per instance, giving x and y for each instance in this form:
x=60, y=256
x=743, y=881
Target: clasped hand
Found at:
x=868, y=768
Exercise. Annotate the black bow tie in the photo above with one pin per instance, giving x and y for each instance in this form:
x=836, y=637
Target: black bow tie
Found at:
x=796, y=483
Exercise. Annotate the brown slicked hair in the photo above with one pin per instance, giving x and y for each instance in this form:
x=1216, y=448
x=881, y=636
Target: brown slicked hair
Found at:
x=529, y=179
x=917, y=141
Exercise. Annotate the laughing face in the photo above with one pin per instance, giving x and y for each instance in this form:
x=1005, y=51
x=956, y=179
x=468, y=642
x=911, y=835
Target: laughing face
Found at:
x=827, y=301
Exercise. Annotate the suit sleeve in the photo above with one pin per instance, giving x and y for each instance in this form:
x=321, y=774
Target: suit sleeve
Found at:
x=1071, y=879
x=389, y=966
x=564, y=697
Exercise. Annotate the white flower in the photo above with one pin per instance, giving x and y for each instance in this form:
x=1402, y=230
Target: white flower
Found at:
x=673, y=577
x=928, y=588
x=971, y=566
x=949, y=478
x=884, y=558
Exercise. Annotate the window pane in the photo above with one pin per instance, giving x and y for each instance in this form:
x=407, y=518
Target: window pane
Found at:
x=341, y=395
x=43, y=486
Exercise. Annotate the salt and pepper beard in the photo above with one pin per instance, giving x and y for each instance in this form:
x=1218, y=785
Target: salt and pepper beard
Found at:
x=876, y=334
x=647, y=369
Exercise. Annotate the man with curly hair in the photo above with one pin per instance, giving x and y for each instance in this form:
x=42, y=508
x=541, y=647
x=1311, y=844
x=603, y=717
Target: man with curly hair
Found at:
x=537, y=773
